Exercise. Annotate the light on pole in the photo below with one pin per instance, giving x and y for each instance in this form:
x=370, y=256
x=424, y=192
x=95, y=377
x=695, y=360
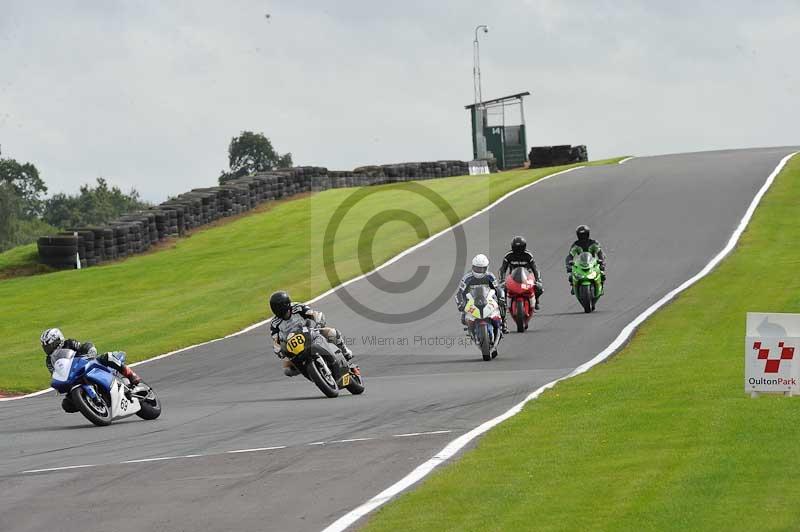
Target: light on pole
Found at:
x=478, y=118
x=476, y=64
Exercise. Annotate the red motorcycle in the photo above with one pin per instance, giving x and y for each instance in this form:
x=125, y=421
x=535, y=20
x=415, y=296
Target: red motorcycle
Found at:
x=521, y=294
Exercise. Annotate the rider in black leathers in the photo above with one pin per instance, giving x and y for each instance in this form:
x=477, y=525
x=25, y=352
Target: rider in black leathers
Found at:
x=288, y=316
x=584, y=243
x=520, y=256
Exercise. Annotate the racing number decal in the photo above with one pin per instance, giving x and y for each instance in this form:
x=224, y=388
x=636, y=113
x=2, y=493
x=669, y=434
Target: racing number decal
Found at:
x=295, y=344
x=345, y=379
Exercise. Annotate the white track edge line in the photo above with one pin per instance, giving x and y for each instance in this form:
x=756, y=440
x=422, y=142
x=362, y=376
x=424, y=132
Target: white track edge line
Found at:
x=340, y=286
x=157, y=459
x=209, y=455
x=626, y=159
x=409, y=434
x=62, y=468
x=456, y=445
x=256, y=449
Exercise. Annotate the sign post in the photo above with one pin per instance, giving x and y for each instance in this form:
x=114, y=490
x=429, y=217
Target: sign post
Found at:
x=772, y=354
x=77, y=255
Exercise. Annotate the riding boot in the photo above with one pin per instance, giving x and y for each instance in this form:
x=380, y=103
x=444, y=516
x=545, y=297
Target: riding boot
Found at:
x=340, y=343
x=348, y=354
x=129, y=374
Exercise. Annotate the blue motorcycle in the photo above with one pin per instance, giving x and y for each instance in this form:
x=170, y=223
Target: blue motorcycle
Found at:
x=100, y=393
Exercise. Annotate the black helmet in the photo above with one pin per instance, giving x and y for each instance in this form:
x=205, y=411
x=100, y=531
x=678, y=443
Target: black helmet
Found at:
x=280, y=303
x=582, y=232
x=518, y=244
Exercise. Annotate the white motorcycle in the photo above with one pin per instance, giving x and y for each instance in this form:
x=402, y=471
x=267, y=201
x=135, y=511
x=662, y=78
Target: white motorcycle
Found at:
x=483, y=319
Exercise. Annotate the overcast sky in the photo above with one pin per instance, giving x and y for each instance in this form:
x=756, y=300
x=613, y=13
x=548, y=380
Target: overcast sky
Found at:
x=148, y=94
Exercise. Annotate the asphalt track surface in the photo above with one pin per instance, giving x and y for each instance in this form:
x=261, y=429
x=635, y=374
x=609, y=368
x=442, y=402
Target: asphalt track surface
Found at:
x=660, y=220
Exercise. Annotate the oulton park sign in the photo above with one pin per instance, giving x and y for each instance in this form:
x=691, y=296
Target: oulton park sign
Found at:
x=772, y=354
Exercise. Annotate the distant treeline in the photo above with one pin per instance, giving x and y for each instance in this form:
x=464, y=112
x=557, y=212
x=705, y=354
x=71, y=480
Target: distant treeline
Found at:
x=26, y=214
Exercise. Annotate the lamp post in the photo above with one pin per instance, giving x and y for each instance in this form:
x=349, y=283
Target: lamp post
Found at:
x=476, y=64
x=477, y=110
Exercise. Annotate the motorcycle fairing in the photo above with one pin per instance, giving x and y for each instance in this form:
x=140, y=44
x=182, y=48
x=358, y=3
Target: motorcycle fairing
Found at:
x=121, y=405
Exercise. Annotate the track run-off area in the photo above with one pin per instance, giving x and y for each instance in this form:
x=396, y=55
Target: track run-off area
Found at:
x=241, y=447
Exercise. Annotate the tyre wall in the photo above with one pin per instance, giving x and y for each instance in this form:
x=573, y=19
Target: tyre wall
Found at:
x=542, y=156
x=137, y=232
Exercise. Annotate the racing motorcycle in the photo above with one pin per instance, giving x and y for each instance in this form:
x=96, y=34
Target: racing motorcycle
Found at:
x=587, y=280
x=521, y=293
x=98, y=392
x=321, y=362
x=482, y=316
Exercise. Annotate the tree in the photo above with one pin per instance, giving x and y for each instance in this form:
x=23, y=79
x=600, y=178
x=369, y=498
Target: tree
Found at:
x=9, y=206
x=27, y=184
x=252, y=152
x=92, y=206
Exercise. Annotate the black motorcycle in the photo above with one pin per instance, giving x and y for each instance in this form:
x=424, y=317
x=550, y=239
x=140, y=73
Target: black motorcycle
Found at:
x=321, y=363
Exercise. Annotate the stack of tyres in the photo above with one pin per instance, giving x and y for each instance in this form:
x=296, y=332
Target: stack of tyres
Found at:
x=177, y=212
x=109, y=244
x=99, y=243
x=121, y=233
x=162, y=227
x=85, y=246
x=58, y=251
x=172, y=222
x=543, y=156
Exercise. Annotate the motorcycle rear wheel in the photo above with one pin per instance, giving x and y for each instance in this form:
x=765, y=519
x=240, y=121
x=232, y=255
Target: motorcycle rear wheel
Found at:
x=356, y=386
x=151, y=406
x=99, y=414
x=314, y=373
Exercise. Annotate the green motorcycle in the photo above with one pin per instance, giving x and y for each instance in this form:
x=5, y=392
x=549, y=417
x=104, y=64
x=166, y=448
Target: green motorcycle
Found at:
x=587, y=279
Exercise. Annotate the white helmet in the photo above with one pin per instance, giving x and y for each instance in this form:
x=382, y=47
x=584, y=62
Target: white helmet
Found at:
x=51, y=339
x=480, y=265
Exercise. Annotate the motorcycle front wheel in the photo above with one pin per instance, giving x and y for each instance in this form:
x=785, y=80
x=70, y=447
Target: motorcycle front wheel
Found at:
x=585, y=297
x=321, y=375
x=519, y=315
x=483, y=339
x=97, y=411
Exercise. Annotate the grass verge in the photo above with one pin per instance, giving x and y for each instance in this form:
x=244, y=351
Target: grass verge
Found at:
x=661, y=437
x=21, y=261
x=217, y=281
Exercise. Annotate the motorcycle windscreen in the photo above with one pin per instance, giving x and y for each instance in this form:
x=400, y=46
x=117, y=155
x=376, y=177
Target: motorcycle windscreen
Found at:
x=62, y=366
x=520, y=275
x=480, y=294
x=585, y=260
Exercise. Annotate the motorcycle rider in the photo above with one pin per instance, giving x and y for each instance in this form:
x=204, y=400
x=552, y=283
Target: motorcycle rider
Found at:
x=53, y=339
x=520, y=256
x=288, y=316
x=480, y=275
x=584, y=243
